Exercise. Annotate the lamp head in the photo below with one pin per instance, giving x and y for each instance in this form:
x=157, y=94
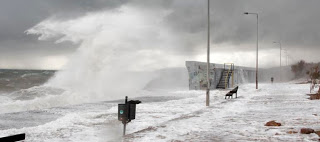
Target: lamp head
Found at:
x=246, y=13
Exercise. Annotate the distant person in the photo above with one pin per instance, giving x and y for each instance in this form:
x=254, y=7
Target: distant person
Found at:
x=272, y=80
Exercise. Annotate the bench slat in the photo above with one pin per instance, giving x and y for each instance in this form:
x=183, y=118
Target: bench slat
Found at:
x=233, y=91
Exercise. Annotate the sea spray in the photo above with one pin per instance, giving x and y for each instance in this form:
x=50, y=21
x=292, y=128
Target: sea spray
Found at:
x=118, y=50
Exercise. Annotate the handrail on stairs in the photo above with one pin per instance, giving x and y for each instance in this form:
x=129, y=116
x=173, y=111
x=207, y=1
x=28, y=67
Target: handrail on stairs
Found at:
x=231, y=68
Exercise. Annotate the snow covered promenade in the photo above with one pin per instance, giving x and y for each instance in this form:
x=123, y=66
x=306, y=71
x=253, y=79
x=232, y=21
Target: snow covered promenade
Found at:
x=240, y=119
x=178, y=116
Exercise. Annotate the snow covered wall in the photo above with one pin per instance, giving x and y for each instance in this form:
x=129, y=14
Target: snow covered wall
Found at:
x=197, y=72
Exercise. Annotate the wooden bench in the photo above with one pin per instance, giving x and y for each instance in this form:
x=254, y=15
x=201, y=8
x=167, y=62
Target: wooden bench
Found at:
x=233, y=91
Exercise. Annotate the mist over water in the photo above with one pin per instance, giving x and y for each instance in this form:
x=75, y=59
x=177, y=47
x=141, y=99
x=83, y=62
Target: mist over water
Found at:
x=117, y=55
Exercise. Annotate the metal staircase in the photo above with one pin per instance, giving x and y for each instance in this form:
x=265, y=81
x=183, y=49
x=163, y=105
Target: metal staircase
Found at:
x=225, y=76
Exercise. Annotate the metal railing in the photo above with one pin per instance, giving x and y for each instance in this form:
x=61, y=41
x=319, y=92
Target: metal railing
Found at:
x=231, y=69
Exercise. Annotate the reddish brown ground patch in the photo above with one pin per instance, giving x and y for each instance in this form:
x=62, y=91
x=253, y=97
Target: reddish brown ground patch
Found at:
x=272, y=123
x=292, y=132
x=314, y=96
x=306, y=131
x=317, y=132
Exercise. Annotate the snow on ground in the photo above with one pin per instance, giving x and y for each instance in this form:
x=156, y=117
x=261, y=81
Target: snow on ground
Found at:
x=240, y=119
x=183, y=116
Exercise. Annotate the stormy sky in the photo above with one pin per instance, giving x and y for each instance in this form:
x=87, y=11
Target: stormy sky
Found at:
x=294, y=23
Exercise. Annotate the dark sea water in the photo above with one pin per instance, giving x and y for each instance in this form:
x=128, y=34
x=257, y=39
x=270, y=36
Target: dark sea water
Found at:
x=14, y=80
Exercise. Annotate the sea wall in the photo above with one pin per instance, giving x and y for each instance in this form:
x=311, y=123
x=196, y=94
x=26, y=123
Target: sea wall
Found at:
x=197, y=72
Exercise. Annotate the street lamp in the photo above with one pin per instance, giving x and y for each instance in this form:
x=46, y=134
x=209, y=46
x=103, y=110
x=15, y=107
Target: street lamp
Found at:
x=208, y=59
x=286, y=57
x=280, y=57
x=247, y=13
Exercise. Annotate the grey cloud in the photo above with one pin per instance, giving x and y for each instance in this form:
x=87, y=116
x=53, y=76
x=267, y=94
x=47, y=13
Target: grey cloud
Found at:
x=294, y=22
x=16, y=16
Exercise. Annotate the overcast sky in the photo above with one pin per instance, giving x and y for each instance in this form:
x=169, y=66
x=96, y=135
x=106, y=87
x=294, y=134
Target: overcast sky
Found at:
x=293, y=22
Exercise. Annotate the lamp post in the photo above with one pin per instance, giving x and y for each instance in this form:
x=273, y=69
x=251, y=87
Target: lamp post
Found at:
x=208, y=59
x=247, y=13
x=286, y=57
x=280, y=58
